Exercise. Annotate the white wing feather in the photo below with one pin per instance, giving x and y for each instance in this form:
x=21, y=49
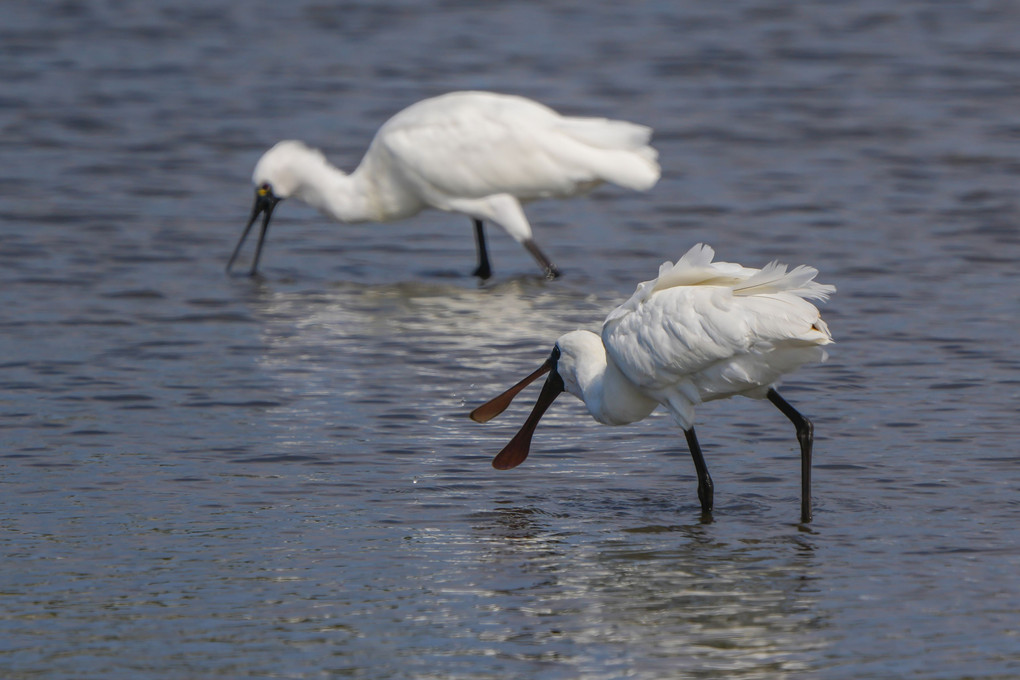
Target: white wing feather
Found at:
x=773, y=278
x=476, y=144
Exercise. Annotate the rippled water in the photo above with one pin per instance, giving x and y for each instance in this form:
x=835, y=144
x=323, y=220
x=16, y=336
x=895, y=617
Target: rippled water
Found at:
x=211, y=476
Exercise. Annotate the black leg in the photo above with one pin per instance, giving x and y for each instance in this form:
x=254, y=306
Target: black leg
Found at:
x=551, y=272
x=483, y=271
x=806, y=437
x=706, y=490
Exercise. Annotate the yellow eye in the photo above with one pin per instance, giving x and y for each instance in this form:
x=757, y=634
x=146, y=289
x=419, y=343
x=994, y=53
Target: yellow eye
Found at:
x=264, y=190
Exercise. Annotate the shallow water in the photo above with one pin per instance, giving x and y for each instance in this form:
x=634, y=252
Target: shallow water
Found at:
x=212, y=476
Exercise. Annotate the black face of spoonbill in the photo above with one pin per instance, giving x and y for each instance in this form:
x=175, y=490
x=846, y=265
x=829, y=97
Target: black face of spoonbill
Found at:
x=265, y=202
x=514, y=453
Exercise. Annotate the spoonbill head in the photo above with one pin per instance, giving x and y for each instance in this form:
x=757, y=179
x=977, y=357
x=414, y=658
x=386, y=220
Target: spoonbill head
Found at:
x=280, y=173
x=480, y=154
x=700, y=331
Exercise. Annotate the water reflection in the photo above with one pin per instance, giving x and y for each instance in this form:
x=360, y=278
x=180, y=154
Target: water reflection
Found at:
x=638, y=602
x=426, y=318
x=349, y=355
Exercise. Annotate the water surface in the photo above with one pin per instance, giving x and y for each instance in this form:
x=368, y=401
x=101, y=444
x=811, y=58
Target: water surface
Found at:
x=206, y=475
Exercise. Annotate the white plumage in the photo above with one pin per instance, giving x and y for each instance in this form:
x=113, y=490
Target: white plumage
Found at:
x=476, y=153
x=708, y=330
x=700, y=331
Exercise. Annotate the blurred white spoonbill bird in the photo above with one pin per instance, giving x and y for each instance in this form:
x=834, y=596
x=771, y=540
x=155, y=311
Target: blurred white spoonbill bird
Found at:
x=476, y=153
x=701, y=331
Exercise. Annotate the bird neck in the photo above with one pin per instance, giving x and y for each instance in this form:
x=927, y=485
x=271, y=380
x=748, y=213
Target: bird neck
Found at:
x=347, y=198
x=610, y=396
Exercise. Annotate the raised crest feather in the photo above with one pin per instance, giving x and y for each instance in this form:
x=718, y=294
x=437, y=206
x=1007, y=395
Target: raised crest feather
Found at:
x=773, y=278
x=696, y=268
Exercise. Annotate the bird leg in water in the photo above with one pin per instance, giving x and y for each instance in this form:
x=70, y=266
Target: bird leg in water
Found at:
x=806, y=437
x=551, y=272
x=483, y=271
x=706, y=490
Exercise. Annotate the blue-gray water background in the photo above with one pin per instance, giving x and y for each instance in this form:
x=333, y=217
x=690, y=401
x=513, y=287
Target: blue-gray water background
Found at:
x=210, y=476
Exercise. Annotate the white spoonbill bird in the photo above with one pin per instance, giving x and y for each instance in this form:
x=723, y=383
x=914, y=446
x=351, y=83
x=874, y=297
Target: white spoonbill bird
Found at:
x=476, y=153
x=701, y=331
